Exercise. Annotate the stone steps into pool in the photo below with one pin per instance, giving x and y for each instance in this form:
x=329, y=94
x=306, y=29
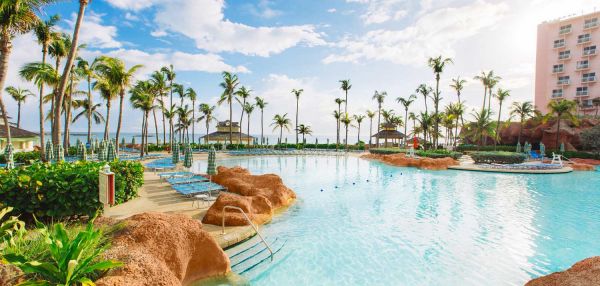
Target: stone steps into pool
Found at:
x=246, y=257
x=466, y=159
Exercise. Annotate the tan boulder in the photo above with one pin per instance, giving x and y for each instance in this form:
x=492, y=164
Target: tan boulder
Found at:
x=164, y=249
x=258, y=209
x=582, y=273
x=401, y=160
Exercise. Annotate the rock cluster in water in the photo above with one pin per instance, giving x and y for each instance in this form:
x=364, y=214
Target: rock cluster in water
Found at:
x=164, y=249
x=585, y=272
x=258, y=195
x=401, y=160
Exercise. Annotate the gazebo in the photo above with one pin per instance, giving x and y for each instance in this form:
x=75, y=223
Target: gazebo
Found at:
x=222, y=134
x=388, y=132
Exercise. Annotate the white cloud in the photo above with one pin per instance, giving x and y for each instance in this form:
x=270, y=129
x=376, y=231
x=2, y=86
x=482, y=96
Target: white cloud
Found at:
x=131, y=17
x=263, y=9
x=331, y=10
x=381, y=11
x=94, y=33
x=132, y=4
x=433, y=33
x=158, y=33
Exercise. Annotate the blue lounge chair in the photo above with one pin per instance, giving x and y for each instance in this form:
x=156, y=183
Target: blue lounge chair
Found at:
x=189, y=190
x=186, y=180
x=534, y=155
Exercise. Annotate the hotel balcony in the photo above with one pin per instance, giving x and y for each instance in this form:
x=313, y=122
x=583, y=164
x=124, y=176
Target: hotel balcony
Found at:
x=584, y=40
x=582, y=66
x=590, y=25
x=563, y=82
x=589, y=79
x=589, y=53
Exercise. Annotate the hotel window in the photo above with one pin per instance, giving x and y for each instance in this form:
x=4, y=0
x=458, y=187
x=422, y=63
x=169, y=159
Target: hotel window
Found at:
x=583, y=64
x=559, y=43
x=587, y=103
x=564, y=79
x=590, y=23
x=582, y=91
x=564, y=55
x=557, y=93
x=565, y=29
x=558, y=68
x=584, y=38
x=588, y=77
x=588, y=51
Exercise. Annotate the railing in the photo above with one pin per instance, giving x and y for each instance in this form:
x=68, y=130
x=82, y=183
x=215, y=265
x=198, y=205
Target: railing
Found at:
x=249, y=221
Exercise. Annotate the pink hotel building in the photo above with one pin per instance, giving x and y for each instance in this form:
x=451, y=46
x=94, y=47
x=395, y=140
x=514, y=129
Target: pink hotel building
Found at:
x=568, y=61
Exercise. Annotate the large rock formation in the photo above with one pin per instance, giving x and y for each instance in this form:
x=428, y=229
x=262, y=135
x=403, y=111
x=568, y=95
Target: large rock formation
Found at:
x=164, y=249
x=401, y=160
x=582, y=273
x=258, y=195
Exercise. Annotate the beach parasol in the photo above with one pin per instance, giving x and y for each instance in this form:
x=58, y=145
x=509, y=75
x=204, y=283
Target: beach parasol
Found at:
x=82, y=152
x=49, y=151
x=59, y=153
x=110, y=152
x=101, y=153
x=9, y=156
x=562, y=147
x=542, y=150
x=212, y=165
x=132, y=141
x=175, y=157
x=188, y=159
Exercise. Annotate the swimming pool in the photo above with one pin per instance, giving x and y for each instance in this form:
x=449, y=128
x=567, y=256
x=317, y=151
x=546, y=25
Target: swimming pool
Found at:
x=386, y=225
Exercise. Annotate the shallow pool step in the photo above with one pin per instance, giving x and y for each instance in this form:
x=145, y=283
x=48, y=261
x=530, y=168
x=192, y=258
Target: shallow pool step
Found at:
x=252, y=253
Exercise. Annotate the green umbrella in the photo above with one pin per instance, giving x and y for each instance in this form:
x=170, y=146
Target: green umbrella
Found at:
x=101, y=153
x=542, y=150
x=518, y=147
x=175, y=153
x=78, y=149
x=49, y=152
x=212, y=165
x=123, y=141
x=82, y=152
x=562, y=147
x=110, y=152
x=59, y=153
x=132, y=141
x=188, y=160
x=9, y=156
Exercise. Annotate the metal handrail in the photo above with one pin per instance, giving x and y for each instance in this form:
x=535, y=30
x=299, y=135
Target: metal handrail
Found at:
x=249, y=221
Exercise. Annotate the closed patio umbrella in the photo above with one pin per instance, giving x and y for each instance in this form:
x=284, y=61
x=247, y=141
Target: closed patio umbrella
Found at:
x=188, y=159
x=9, y=156
x=59, y=153
x=175, y=157
x=212, y=164
x=518, y=147
x=101, y=153
x=110, y=152
x=49, y=152
x=82, y=152
x=542, y=150
x=562, y=147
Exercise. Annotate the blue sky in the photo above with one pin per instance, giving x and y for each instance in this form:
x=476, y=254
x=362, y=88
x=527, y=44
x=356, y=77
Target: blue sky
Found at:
x=275, y=46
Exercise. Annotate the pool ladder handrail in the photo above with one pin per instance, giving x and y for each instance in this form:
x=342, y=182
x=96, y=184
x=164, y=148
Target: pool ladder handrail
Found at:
x=249, y=221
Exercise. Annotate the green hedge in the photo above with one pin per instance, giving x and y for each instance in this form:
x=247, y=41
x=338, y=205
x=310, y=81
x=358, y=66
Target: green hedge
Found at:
x=498, y=157
x=436, y=154
x=574, y=154
x=23, y=157
x=65, y=189
x=386, y=151
x=471, y=147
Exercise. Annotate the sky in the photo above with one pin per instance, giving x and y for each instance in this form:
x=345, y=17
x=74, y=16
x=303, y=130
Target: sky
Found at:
x=275, y=46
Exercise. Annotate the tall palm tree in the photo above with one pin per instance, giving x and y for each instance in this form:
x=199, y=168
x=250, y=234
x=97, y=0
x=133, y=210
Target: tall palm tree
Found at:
x=108, y=92
x=45, y=33
x=67, y=70
x=170, y=75
x=501, y=95
x=19, y=95
x=121, y=78
x=207, y=114
x=58, y=50
x=338, y=116
x=425, y=122
x=346, y=120
x=339, y=102
x=524, y=110
x=345, y=86
x=191, y=94
x=184, y=114
x=370, y=114
x=406, y=102
x=242, y=95
x=170, y=113
x=484, y=79
x=297, y=93
x=412, y=116
x=379, y=97
x=562, y=109
x=88, y=71
x=248, y=108
x=281, y=122
x=387, y=116
x=458, y=85
x=261, y=104
x=304, y=130
x=68, y=105
x=483, y=126
x=229, y=84
x=437, y=65
x=159, y=83
x=456, y=109
x=85, y=105
x=143, y=98
x=16, y=18
x=180, y=90
x=358, y=118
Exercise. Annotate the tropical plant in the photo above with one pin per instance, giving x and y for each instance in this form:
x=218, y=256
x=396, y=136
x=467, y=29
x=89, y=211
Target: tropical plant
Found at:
x=590, y=139
x=437, y=65
x=297, y=93
x=207, y=115
x=339, y=102
x=483, y=126
x=379, y=97
x=501, y=95
x=304, y=130
x=424, y=90
x=248, y=108
x=229, y=85
x=345, y=86
x=9, y=228
x=338, y=116
x=346, y=120
x=456, y=110
x=498, y=157
x=159, y=83
x=412, y=116
x=85, y=106
x=142, y=98
x=406, y=102
x=170, y=114
x=108, y=92
x=19, y=95
x=358, y=118
x=596, y=104
x=88, y=71
x=562, y=109
x=370, y=114
x=425, y=122
x=242, y=95
x=184, y=122
x=281, y=122
x=524, y=110
x=170, y=76
x=191, y=94
x=458, y=85
x=180, y=90
x=261, y=104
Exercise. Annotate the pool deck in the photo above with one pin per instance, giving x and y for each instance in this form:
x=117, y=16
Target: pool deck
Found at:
x=476, y=168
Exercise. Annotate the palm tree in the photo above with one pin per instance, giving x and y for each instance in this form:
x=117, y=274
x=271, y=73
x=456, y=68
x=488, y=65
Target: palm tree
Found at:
x=297, y=93
x=19, y=95
x=85, y=105
x=16, y=18
x=170, y=114
x=387, y=116
x=191, y=94
x=370, y=114
x=484, y=78
x=88, y=70
x=458, y=85
x=346, y=120
x=425, y=121
x=242, y=95
x=339, y=102
x=596, y=103
x=406, y=102
x=483, y=126
x=108, y=92
x=359, y=119
x=523, y=110
x=229, y=84
x=159, y=83
x=45, y=34
x=379, y=97
x=437, y=65
x=562, y=109
x=501, y=95
x=424, y=90
x=180, y=90
x=184, y=121
x=143, y=98
x=67, y=70
x=248, y=108
x=207, y=112
x=457, y=110
x=345, y=86
x=170, y=75
x=281, y=122
x=261, y=104
x=120, y=77
x=338, y=116
x=412, y=116
x=492, y=82
x=304, y=130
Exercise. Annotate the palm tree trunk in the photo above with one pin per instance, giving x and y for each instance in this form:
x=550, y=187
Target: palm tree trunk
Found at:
x=484, y=97
x=5, y=49
x=89, y=115
x=455, y=132
x=155, y=127
x=346, y=102
x=207, y=139
x=498, y=126
x=297, y=102
x=41, y=107
x=164, y=124
x=230, y=121
x=346, y=139
x=262, y=138
x=107, y=120
x=241, y=119
x=558, y=132
x=67, y=70
x=280, y=134
x=19, y=114
x=144, y=120
x=378, y=124
x=248, y=130
x=193, y=121
x=436, y=117
x=358, y=134
x=68, y=114
x=121, y=99
x=405, y=127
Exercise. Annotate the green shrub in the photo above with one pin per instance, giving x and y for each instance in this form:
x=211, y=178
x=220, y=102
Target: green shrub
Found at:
x=471, y=147
x=574, y=154
x=498, y=157
x=22, y=157
x=65, y=189
x=386, y=151
x=590, y=139
x=436, y=154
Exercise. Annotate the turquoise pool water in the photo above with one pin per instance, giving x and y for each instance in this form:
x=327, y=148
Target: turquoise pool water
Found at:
x=386, y=225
